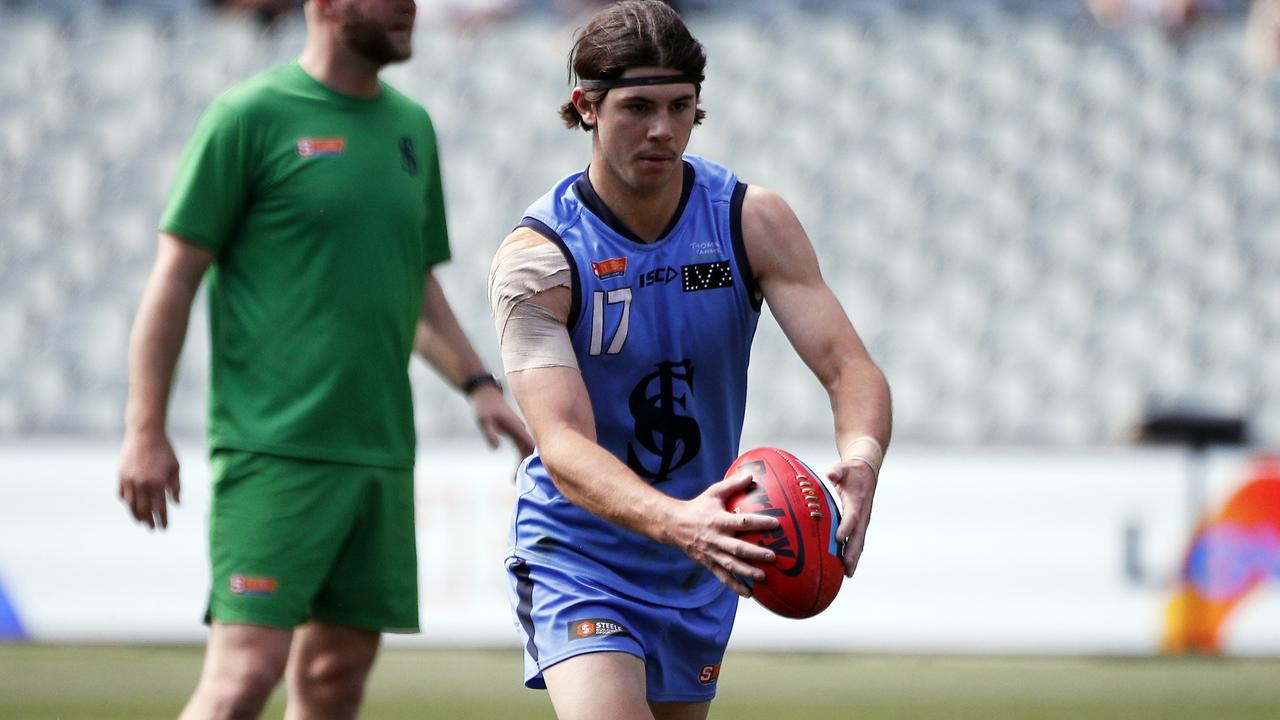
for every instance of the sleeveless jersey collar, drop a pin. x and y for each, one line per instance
(587, 194)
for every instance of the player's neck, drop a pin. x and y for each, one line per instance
(646, 214)
(340, 69)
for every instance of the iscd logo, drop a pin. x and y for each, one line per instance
(657, 276)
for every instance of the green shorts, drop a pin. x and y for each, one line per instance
(293, 540)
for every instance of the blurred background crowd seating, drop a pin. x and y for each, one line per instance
(1044, 229)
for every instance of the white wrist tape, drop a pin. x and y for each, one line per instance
(865, 449)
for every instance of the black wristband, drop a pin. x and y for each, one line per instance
(479, 380)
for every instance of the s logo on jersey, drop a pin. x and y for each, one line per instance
(660, 429)
(408, 160)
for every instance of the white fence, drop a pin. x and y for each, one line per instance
(983, 550)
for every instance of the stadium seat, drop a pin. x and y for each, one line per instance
(119, 60)
(1038, 227)
(14, 328)
(31, 53)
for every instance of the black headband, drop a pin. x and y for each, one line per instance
(611, 83)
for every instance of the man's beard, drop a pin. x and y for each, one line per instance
(369, 40)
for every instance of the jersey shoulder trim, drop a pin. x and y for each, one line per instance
(740, 246)
(575, 284)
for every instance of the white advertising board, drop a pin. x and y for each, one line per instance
(983, 550)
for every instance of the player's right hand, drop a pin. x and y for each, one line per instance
(706, 532)
(148, 470)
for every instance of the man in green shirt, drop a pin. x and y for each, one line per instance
(311, 194)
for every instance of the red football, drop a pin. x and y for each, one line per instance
(808, 571)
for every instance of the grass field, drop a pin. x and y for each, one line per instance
(42, 682)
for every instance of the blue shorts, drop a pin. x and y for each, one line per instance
(560, 615)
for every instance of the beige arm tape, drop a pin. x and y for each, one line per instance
(529, 334)
(865, 449)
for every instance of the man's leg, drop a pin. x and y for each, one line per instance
(242, 664)
(612, 685)
(598, 685)
(327, 670)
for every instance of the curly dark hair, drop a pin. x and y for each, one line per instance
(630, 34)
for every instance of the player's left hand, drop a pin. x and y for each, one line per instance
(496, 418)
(856, 483)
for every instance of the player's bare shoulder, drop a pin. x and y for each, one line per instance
(765, 205)
(775, 240)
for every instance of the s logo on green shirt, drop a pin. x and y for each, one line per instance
(407, 159)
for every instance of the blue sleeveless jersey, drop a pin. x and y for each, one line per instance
(662, 332)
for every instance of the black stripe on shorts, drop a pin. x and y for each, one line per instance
(524, 608)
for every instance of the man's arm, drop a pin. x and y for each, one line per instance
(148, 465)
(440, 341)
(787, 271)
(555, 402)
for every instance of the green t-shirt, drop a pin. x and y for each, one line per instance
(325, 211)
